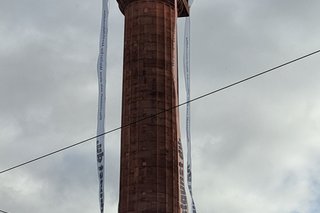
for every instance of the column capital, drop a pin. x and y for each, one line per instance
(183, 6)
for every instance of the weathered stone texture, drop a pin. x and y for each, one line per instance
(149, 155)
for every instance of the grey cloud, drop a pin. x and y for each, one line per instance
(255, 146)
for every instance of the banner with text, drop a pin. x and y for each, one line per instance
(101, 71)
(183, 202)
(186, 66)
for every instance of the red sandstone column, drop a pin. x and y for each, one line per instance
(149, 179)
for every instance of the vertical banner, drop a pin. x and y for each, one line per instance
(183, 202)
(101, 71)
(186, 66)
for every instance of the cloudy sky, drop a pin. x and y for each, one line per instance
(256, 146)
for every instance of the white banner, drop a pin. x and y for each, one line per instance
(101, 71)
(183, 202)
(186, 66)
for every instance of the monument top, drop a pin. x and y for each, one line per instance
(183, 6)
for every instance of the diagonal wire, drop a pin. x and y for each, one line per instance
(3, 211)
(161, 112)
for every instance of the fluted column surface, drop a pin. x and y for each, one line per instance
(149, 155)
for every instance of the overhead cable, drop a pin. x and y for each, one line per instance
(166, 110)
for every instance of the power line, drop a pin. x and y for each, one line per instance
(3, 211)
(166, 110)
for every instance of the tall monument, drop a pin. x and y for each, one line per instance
(151, 170)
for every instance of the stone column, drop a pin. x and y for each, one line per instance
(149, 179)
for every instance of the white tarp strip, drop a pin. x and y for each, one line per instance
(186, 65)
(183, 202)
(101, 71)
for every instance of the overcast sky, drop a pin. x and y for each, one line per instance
(256, 146)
